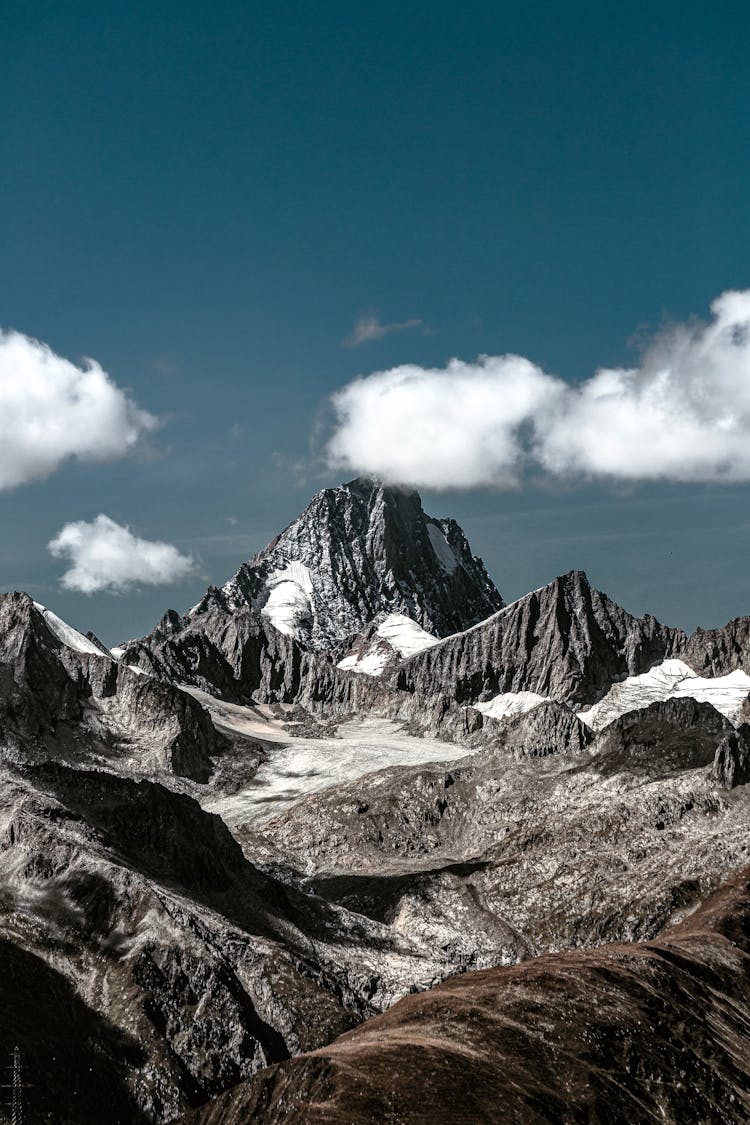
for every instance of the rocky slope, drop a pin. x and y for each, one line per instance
(191, 955)
(358, 550)
(77, 703)
(627, 1034)
(364, 586)
(141, 909)
(550, 839)
(566, 641)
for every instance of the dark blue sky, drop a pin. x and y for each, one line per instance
(204, 197)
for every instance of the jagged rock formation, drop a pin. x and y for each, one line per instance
(628, 1034)
(357, 551)
(360, 549)
(59, 701)
(362, 562)
(731, 765)
(142, 910)
(714, 652)
(566, 641)
(195, 955)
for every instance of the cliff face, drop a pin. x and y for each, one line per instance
(356, 552)
(566, 640)
(65, 702)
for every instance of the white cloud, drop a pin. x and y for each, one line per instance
(51, 410)
(683, 414)
(368, 328)
(107, 556)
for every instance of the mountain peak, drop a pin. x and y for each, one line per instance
(359, 549)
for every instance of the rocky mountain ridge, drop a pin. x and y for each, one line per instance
(590, 785)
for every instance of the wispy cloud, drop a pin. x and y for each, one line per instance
(369, 328)
(683, 414)
(107, 556)
(51, 410)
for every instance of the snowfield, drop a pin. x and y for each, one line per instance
(670, 679)
(300, 766)
(510, 703)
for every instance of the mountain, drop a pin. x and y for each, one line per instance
(62, 696)
(627, 1034)
(346, 776)
(565, 641)
(359, 552)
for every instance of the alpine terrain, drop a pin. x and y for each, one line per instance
(352, 840)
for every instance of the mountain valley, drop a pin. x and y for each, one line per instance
(354, 840)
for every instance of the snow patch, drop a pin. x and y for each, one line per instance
(69, 636)
(118, 652)
(395, 633)
(289, 605)
(405, 635)
(672, 679)
(510, 703)
(371, 664)
(442, 548)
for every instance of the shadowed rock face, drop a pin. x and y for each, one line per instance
(662, 739)
(193, 967)
(626, 1034)
(61, 703)
(731, 765)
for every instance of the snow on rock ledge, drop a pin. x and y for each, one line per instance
(69, 636)
(510, 703)
(289, 605)
(668, 680)
(396, 633)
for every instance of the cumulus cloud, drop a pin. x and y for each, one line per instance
(107, 556)
(683, 414)
(51, 410)
(368, 328)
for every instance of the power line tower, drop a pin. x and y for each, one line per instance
(16, 1087)
(16, 1115)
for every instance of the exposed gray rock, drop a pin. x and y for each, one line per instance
(566, 640)
(201, 966)
(678, 734)
(731, 765)
(624, 1034)
(715, 652)
(503, 854)
(356, 551)
(58, 702)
